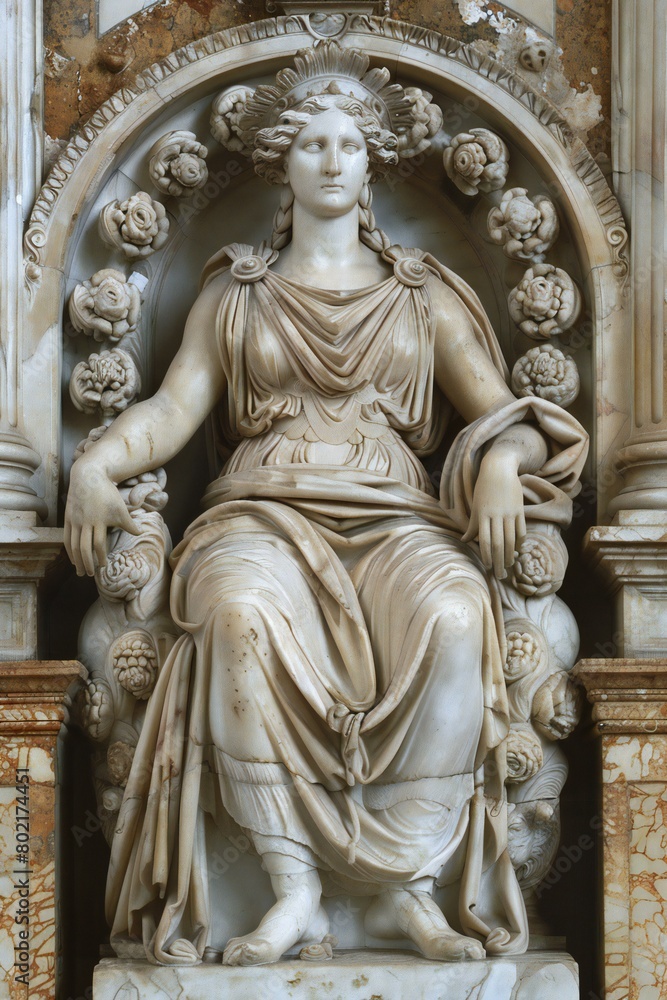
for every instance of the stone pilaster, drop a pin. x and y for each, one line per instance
(640, 169)
(21, 172)
(629, 700)
(33, 702)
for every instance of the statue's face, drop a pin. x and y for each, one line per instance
(327, 164)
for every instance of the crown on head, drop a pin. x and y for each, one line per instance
(239, 113)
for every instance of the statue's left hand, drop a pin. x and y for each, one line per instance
(496, 517)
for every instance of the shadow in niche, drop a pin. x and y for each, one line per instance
(570, 896)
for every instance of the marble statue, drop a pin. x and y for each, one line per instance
(338, 682)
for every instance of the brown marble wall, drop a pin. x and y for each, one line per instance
(84, 70)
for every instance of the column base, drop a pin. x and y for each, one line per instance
(392, 975)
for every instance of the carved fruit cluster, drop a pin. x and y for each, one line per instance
(134, 660)
(106, 306)
(546, 372)
(526, 652)
(546, 302)
(477, 160)
(524, 227)
(125, 573)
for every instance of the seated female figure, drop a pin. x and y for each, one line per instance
(339, 673)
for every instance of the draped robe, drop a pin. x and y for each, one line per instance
(358, 751)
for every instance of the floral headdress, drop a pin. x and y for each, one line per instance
(240, 112)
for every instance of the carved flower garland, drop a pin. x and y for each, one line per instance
(138, 226)
(524, 754)
(556, 707)
(477, 160)
(427, 122)
(119, 761)
(540, 565)
(125, 573)
(526, 652)
(106, 306)
(546, 372)
(226, 111)
(524, 227)
(109, 380)
(97, 709)
(177, 164)
(134, 660)
(546, 302)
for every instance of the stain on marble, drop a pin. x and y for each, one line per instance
(84, 70)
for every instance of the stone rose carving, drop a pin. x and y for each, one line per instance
(477, 160)
(97, 714)
(546, 372)
(524, 227)
(125, 573)
(524, 754)
(546, 302)
(226, 111)
(177, 163)
(526, 650)
(556, 706)
(138, 226)
(109, 380)
(106, 306)
(541, 563)
(426, 121)
(134, 660)
(119, 761)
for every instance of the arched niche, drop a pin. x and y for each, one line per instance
(108, 160)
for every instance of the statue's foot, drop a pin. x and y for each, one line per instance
(297, 918)
(409, 913)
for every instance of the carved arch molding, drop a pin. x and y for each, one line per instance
(545, 154)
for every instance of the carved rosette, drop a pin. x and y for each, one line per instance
(526, 228)
(477, 160)
(106, 306)
(138, 226)
(546, 302)
(524, 754)
(546, 372)
(108, 381)
(177, 163)
(541, 561)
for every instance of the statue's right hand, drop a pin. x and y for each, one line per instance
(93, 506)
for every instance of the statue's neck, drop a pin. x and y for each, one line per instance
(327, 253)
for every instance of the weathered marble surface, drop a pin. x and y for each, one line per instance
(32, 699)
(630, 712)
(368, 975)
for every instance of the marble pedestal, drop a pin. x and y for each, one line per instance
(351, 975)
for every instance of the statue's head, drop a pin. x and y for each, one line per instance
(395, 121)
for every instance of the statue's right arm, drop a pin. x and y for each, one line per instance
(145, 436)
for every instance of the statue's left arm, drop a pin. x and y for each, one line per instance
(467, 376)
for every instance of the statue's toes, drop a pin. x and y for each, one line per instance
(233, 953)
(451, 947)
